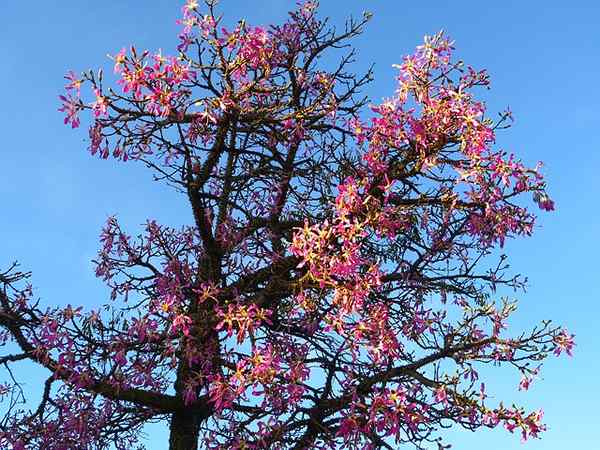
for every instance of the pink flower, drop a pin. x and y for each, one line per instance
(189, 8)
(524, 383)
(71, 107)
(441, 395)
(564, 342)
(189, 392)
(491, 418)
(181, 323)
(119, 358)
(99, 106)
(74, 82)
(120, 60)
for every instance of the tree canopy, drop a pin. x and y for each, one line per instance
(339, 284)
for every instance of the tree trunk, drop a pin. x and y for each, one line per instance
(185, 424)
(184, 431)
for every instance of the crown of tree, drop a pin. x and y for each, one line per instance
(337, 284)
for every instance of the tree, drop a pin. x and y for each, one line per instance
(337, 287)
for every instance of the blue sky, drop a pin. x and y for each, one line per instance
(544, 60)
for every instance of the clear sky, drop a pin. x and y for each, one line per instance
(544, 60)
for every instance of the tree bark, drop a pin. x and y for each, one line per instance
(184, 429)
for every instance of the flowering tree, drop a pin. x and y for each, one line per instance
(336, 287)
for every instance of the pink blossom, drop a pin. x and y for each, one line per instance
(99, 106)
(441, 395)
(564, 342)
(71, 107)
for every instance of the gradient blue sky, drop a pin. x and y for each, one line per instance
(544, 59)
